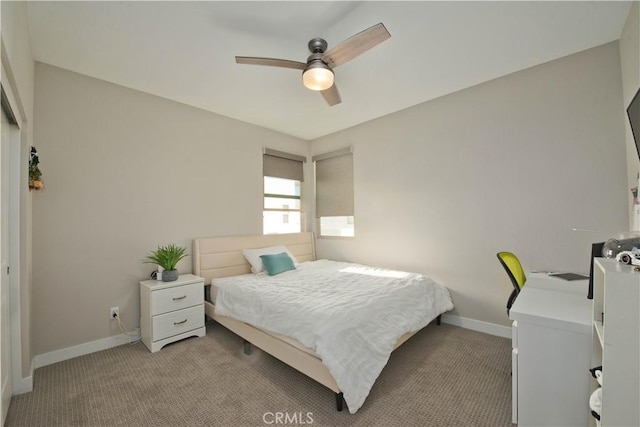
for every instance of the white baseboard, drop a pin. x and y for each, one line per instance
(80, 350)
(117, 340)
(478, 325)
(6, 399)
(24, 385)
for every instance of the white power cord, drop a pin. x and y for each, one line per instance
(134, 336)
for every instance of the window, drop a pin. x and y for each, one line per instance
(334, 194)
(283, 177)
(282, 213)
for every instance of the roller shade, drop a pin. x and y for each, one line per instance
(279, 164)
(334, 183)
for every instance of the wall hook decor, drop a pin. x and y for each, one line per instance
(35, 176)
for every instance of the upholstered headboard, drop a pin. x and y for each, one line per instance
(222, 256)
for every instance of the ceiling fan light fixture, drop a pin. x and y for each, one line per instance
(317, 76)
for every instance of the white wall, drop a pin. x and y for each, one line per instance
(512, 164)
(125, 171)
(17, 61)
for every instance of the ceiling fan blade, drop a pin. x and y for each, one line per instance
(331, 95)
(356, 45)
(271, 62)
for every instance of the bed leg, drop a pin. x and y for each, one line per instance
(438, 319)
(339, 401)
(247, 347)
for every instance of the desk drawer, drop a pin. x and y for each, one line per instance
(514, 334)
(176, 298)
(177, 322)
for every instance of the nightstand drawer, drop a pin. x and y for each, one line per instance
(176, 298)
(177, 322)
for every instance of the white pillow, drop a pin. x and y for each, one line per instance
(253, 256)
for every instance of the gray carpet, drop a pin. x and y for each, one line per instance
(443, 376)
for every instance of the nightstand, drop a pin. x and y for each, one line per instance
(171, 311)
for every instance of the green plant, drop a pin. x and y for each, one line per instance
(166, 257)
(34, 173)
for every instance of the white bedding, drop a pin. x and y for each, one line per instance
(350, 315)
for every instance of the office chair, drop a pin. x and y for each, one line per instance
(512, 265)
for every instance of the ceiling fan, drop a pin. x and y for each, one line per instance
(317, 72)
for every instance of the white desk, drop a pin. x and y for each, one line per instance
(544, 281)
(551, 352)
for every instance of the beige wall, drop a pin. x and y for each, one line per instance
(512, 164)
(17, 61)
(630, 64)
(125, 171)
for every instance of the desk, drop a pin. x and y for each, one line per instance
(551, 283)
(551, 352)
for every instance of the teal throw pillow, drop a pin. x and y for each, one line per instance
(277, 263)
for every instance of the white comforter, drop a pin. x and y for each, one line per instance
(350, 315)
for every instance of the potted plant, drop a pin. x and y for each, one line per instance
(167, 257)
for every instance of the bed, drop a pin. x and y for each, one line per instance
(222, 257)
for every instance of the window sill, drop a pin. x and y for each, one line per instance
(337, 237)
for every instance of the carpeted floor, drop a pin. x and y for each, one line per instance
(443, 376)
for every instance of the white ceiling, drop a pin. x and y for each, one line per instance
(185, 51)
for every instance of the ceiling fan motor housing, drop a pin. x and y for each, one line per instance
(317, 45)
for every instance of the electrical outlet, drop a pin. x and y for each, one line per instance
(114, 312)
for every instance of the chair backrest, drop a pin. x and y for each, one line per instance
(514, 269)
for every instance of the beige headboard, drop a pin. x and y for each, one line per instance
(222, 256)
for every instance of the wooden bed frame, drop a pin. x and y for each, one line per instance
(217, 257)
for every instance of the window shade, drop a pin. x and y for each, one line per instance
(334, 184)
(282, 165)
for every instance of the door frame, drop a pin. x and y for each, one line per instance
(20, 383)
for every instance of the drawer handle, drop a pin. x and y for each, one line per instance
(179, 298)
(180, 323)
